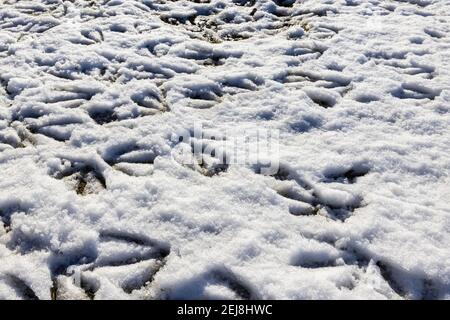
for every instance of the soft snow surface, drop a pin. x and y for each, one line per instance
(97, 200)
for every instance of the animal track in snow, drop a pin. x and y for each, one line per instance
(103, 116)
(205, 154)
(125, 262)
(200, 94)
(307, 198)
(131, 158)
(241, 82)
(82, 178)
(324, 88)
(328, 79)
(346, 175)
(220, 279)
(205, 158)
(412, 68)
(150, 100)
(21, 288)
(417, 91)
(21, 22)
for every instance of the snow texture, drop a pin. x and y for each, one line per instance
(97, 203)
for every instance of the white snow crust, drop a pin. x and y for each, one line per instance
(96, 201)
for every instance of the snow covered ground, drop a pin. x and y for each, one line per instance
(97, 200)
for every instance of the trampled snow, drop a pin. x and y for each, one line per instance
(109, 189)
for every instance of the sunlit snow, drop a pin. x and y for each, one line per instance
(129, 158)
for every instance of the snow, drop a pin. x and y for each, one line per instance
(109, 189)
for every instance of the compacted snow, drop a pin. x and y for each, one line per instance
(109, 189)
